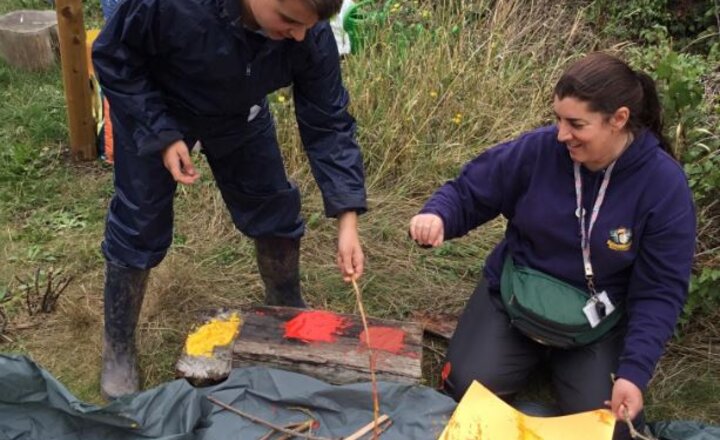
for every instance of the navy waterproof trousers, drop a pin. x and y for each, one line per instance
(248, 169)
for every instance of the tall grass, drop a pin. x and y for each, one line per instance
(427, 100)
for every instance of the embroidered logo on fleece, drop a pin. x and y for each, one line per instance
(620, 239)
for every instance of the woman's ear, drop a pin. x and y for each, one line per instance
(620, 118)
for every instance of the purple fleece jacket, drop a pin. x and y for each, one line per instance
(642, 243)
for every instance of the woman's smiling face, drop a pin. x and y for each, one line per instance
(592, 138)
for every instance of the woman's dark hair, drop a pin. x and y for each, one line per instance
(607, 83)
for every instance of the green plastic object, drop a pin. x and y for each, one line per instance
(360, 19)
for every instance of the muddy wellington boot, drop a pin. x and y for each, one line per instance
(278, 260)
(124, 292)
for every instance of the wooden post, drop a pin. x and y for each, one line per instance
(73, 58)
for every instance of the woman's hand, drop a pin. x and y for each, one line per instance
(350, 258)
(626, 396)
(176, 159)
(427, 230)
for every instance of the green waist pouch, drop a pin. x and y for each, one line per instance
(548, 310)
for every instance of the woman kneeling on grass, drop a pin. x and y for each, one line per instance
(594, 267)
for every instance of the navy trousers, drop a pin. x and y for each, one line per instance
(248, 169)
(487, 348)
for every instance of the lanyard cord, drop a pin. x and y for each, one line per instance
(580, 213)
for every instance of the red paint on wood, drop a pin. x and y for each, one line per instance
(385, 338)
(315, 326)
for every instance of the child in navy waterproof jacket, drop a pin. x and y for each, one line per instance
(181, 71)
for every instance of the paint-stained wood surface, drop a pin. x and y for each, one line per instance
(264, 341)
(208, 370)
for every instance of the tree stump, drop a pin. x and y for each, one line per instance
(29, 39)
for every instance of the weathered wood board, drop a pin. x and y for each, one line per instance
(438, 324)
(265, 340)
(29, 39)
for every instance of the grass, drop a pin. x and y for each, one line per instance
(476, 73)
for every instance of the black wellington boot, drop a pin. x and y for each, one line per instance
(278, 260)
(124, 292)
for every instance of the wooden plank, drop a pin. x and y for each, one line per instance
(71, 33)
(438, 324)
(28, 39)
(264, 341)
(203, 370)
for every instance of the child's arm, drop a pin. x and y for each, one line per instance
(121, 56)
(328, 134)
(326, 128)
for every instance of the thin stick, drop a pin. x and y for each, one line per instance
(367, 428)
(373, 380)
(305, 426)
(385, 426)
(263, 422)
(297, 427)
(633, 432)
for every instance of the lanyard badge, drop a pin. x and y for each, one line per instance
(599, 305)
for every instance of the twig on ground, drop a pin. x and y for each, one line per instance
(261, 421)
(304, 426)
(295, 427)
(43, 302)
(369, 427)
(385, 426)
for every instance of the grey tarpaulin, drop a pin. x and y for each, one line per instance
(685, 431)
(35, 406)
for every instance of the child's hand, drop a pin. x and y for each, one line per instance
(427, 229)
(176, 159)
(350, 258)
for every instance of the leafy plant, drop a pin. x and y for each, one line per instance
(688, 89)
(693, 25)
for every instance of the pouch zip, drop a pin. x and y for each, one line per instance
(547, 322)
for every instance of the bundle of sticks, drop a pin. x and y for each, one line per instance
(304, 429)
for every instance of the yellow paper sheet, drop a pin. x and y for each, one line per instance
(481, 415)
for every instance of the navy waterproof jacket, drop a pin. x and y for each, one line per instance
(642, 243)
(188, 69)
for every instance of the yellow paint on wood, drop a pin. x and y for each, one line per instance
(215, 333)
(481, 415)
